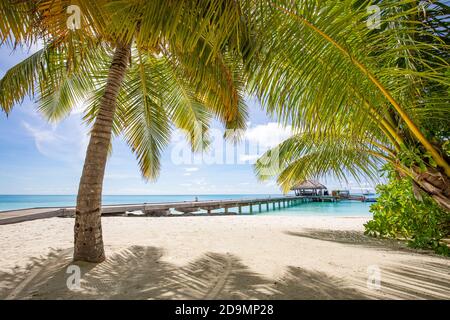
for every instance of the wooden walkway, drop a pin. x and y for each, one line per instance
(166, 208)
(15, 216)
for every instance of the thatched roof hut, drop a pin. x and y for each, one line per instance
(310, 188)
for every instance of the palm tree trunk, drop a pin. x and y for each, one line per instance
(436, 184)
(88, 229)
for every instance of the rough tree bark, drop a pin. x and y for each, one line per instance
(88, 244)
(436, 184)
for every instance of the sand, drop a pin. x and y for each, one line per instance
(230, 257)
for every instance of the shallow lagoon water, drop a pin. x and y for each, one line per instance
(341, 208)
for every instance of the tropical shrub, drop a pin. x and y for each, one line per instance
(399, 214)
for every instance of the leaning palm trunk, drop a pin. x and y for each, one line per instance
(88, 228)
(435, 184)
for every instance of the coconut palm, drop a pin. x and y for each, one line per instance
(358, 95)
(143, 68)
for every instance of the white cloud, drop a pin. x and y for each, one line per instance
(192, 169)
(43, 137)
(268, 135)
(66, 141)
(79, 107)
(261, 138)
(40, 135)
(249, 157)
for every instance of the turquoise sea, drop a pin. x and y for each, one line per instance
(341, 208)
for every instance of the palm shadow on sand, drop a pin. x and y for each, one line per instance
(410, 279)
(351, 237)
(139, 273)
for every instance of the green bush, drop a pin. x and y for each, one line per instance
(398, 214)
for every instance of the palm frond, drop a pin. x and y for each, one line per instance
(304, 156)
(146, 124)
(20, 80)
(318, 53)
(16, 22)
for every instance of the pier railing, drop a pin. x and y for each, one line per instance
(206, 205)
(167, 208)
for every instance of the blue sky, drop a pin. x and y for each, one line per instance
(41, 158)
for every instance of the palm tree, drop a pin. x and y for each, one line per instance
(143, 66)
(358, 96)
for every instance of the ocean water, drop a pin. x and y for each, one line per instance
(341, 208)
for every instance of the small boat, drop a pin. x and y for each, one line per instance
(367, 192)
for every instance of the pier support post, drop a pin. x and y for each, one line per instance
(226, 209)
(240, 209)
(251, 209)
(267, 206)
(259, 207)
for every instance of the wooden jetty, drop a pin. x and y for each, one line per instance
(167, 208)
(157, 209)
(15, 216)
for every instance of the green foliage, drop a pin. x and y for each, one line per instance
(398, 214)
(186, 67)
(355, 96)
(413, 156)
(446, 148)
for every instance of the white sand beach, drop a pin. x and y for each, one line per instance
(228, 257)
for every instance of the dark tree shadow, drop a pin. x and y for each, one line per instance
(301, 284)
(411, 279)
(417, 280)
(354, 238)
(139, 273)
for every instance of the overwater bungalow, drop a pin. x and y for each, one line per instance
(310, 188)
